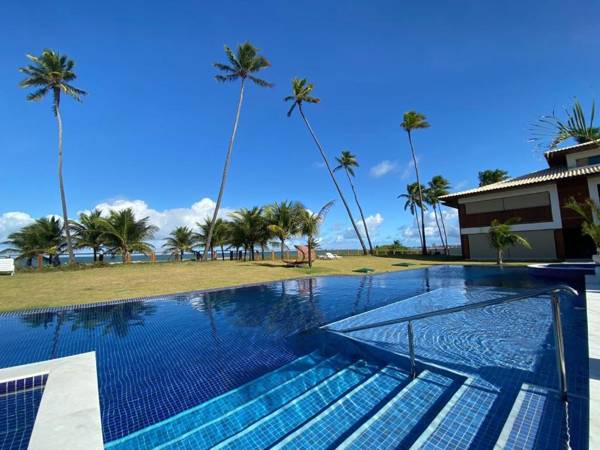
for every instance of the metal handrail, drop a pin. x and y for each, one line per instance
(557, 325)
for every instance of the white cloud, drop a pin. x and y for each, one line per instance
(383, 168)
(167, 219)
(11, 222)
(338, 236)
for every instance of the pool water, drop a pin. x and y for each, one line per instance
(159, 357)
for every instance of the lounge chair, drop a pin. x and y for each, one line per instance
(332, 256)
(7, 265)
(302, 256)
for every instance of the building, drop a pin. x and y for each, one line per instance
(538, 199)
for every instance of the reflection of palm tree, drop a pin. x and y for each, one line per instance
(114, 319)
(359, 293)
(56, 334)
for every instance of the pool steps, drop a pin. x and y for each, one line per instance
(319, 402)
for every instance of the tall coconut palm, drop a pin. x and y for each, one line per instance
(491, 176)
(242, 65)
(576, 127)
(431, 200)
(416, 121)
(301, 93)
(309, 226)
(284, 220)
(348, 162)
(88, 231)
(52, 73)
(179, 241)
(249, 225)
(413, 203)
(501, 237)
(124, 234)
(220, 235)
(437, 187)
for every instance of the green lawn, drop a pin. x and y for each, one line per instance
(28, 290)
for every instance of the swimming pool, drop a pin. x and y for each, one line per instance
(159, 357)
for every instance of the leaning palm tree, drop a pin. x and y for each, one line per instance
(283, 221)
(576, 127)
(179, 241)
(220, 235)
(413, 202)
(124, 234)
(242, 65)
(52, 73)
(309, 227)
(88, 232)
(42, 237)
(415, 121)
(501, 237)
(301, 93)
(437, 187)
(348, 162)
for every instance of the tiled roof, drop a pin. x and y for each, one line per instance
(541, 176)
(571, 148)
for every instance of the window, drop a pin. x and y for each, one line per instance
(509, 203)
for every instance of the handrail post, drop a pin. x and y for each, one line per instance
(411, 350)
(560, 345)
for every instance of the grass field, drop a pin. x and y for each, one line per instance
(28, 290)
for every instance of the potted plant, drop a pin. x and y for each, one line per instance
(590, 212)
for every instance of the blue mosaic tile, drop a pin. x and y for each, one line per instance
(19, 403)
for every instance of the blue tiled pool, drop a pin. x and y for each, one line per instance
(157, 358)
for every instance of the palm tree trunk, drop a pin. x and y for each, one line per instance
(444, 228)
(180, 255)
(95, 254)
(362, 216)
(63, 199)
(222, 253)
(309, 253)
(225, 171)
(419, 228)
(414, 157)
(312, 133)
(438, 227)
(499, 260)
(282, 249)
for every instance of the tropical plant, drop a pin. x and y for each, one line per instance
(490, 176)
(588, 210)
(220, 235)
(124, 234)
(501, 237)
(575, 127)
(301, 93)
(309, 227)
(413, 202)
(88, 232)
(179, 241)
(242, 65)
(247, 227)
(347, 161)
(42, 237)
(415, 121)
(283, 221)
(52, 72)
(437, 187)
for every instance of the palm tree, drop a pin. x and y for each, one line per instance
(576, 127)
(52, 72)
(179, 241)
(88, 232)
(220, 235)
(501, 237)
(248, 225)
(490, 176)
(415, 121)
(124, 234)
(309, 227)
(348, 162)
(242, 64)
(438, 186)
(301, 93)
(588, 210)
(430, 199)
(283, 220)
(413, 201)
(42, 237)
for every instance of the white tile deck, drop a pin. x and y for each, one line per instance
(592, 283)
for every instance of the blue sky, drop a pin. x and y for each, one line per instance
(154, 128)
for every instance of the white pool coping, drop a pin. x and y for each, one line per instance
(592, 293)
(69, 413)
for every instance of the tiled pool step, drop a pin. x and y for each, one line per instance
(321, 402)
